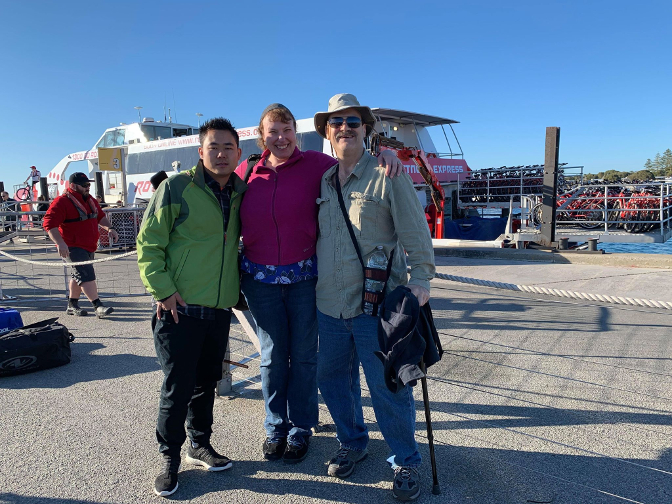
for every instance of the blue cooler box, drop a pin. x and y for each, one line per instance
(9, 319)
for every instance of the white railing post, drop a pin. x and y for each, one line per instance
(660, 215)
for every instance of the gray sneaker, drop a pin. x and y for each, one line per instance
(406, 485)
(103, 311)
(76, 311)
(342, 465)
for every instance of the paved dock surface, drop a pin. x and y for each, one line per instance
(537, 399)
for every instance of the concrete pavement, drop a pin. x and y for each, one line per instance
(537, 399)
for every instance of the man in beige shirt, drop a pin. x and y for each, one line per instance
(383, 212)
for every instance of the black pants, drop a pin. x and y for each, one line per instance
(190, 354)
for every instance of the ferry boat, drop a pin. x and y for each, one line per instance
(150, 146)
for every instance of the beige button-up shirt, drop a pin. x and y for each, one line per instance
(383, 211)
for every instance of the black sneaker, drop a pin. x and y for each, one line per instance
(206, 456)
(297, 449)
(406, 485)
(76, 311)
(274, 448)
(166, 482)
(103, 311)
(342, 465)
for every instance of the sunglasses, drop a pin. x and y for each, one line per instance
(352, 122)
(87, 184)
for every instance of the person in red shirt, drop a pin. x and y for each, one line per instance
(72, 222)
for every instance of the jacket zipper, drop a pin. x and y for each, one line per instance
(277, 231)
(234, 196)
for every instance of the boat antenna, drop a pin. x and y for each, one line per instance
(164, 108)
(138, 109)
(170, 119)
(174, 107)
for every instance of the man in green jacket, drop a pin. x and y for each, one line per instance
(188, 259)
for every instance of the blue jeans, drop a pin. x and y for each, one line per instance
(287, 330)
(344, 343)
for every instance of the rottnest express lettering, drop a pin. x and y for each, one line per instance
(144, 187)
(412, 168)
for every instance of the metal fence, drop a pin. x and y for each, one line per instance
(35, 270)
(636, 208)
(27, 225)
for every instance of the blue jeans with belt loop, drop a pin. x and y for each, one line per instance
(344, 343)
(286, 321)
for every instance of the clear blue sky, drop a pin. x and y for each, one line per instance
(600, 70)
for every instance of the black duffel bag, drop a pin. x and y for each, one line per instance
(37, 346)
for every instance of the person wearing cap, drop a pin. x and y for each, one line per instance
(383, 212)
(34, 176)
(72, 222)
(279, 274)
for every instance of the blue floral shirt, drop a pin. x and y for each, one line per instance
(284, 274)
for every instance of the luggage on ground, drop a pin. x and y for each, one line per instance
(42, 345)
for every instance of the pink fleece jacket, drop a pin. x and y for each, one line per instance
(279, 212)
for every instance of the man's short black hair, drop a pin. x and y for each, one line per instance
(218, 124)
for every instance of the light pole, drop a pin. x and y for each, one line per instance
(199, 115)
(138, 109)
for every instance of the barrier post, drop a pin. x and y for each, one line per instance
(65, 279)
(224, 385)
(44, 188)
(550, 188)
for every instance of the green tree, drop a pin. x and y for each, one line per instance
(658, 162)
(641, 176)
(612, 176)
(649, 165)
(666, 159)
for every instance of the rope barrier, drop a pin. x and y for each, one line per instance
(558, 292)
(453, 278)
(61, 264)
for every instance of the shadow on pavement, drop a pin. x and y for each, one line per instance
(84, 367)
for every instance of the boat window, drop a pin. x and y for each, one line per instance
(155, 132)
(178, 132)
(112, 139)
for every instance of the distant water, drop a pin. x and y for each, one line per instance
(623, 248)
(638, 248)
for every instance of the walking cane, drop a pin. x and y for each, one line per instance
(436, 489)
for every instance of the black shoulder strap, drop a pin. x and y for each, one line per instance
(252, 160)
(347, 219)
(352, 233)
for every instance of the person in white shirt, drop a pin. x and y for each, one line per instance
(34, 176)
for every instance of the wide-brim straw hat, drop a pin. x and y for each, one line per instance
(341, 102)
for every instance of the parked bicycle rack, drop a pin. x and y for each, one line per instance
(554, 200)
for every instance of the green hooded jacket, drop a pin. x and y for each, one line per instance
(182, 246)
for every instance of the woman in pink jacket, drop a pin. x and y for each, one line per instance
(279, 228)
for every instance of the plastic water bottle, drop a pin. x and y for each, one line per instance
(377, 260)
